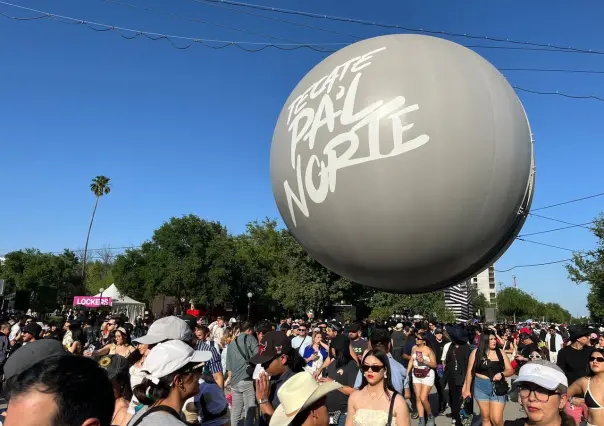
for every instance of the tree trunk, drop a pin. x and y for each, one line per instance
(86, 246)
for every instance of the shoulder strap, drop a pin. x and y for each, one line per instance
(155, 409)
(391, 409)
(245, 357)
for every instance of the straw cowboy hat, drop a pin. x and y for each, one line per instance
(297, 394)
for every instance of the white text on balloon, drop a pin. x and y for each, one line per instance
(304, 123)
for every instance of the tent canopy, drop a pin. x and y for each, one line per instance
(123, 304)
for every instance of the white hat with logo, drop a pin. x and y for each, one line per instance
(169, 357)
(167, 328)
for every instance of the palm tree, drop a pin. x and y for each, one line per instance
(100, 186)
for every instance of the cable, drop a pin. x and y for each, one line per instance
(570, 201)
(530, 265)
(547, 245)
(147, 9)
(558, 229)
(565, 95)
(299, 24)
(557, 220)
(568, 71)
(400, 27)
(170, 38)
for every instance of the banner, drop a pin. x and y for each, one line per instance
(92, 301)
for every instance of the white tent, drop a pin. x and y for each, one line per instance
(123, 304)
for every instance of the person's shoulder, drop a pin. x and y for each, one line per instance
(518, 422)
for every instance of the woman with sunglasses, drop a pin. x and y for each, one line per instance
(376, 401)
(542, 388)
(421, 366)
(590, 390)
(485, 380)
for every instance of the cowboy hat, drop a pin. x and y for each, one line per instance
(297, 394)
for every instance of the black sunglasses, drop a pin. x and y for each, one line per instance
(596, 358)
(374, 368)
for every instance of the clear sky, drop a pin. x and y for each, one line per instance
(189, 131)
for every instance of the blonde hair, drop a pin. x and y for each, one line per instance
(227, 337)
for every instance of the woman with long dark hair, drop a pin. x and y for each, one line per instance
(376, 403)
(421, 367)
(485, 379)
(591, 389)
(344, 370)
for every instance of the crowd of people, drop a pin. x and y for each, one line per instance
(93, 370)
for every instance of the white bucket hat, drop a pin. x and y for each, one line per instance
(543, 373)
(167, 328)
(169, 357)
(297, 394)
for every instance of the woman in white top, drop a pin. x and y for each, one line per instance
(422, 365)
(376, 401)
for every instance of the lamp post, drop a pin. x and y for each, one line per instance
(101, 298)
(249, 304)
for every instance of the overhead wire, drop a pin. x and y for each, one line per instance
(531, 265)
(547, 245)
(272, 18)
(568, 202)
(401, 27)
(582, 225)
(557, 220)
(200, 21)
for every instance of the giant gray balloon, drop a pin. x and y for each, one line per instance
(403, 162)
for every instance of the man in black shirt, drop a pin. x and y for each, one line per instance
(358, 345)
(528, 347)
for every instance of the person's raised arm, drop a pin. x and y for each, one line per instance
(101, 352)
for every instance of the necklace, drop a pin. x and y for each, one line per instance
(375, 398)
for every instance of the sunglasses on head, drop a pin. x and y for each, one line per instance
(534, 356)
(374, 368)
(596, 358)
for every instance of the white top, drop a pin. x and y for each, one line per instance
(366, 417)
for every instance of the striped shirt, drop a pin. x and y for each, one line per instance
(215, 364)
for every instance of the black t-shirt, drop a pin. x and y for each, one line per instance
(346, 376)
(359, 346)
(574, 363)
(398, 339)
(438, 349)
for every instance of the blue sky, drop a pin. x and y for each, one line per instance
(189, 131)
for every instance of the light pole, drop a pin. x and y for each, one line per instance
(101, 298)
(249, 304)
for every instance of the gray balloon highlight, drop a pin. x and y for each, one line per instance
(403, 162)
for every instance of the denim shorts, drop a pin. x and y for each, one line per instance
(483, 391)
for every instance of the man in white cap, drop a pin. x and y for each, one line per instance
(303, 402)
(167, 328)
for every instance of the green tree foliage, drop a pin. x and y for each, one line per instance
(589, 268)
(515, 302)
(30, 269)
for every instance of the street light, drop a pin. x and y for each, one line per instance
(101, 298)
(249, 304)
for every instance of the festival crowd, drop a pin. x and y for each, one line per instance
(91, 370)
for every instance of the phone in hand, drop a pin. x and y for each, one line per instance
(420, 356)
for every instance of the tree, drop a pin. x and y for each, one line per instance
(589, 268)
(100, 186)
(480, 303)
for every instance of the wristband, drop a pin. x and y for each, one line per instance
(262, 401)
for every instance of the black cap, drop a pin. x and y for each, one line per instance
(576, 332)
(335, 326)
(273, 344)
(32, 353)
(32, 328)
(355, 327)
(115, 365)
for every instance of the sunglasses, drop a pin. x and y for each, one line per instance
(374, 368)
(596, 358)
(419, 338)
(302, 330)
(534, 356)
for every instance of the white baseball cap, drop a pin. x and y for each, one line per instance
(169, 357)
(545, 374)
(167, 328)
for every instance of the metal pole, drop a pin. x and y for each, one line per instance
(249, 304)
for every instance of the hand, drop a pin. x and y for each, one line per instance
(318, 374)
(579, 402)
(466, 393)
(262, 387)
(407, 394)
(497, 377)
(325, 379)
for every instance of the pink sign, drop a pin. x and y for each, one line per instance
(91, 301)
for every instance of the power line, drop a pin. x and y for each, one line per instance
(400, 27)
(186, 18)
(547, 245)
(568, 71)
(531, 265)
(569, 201)
(213, 43)
(272, 18)
(582, 225)
(558, 220)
